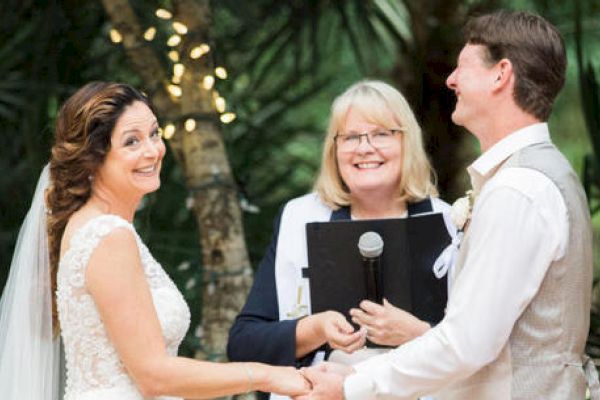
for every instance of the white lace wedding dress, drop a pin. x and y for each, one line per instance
(94, 370)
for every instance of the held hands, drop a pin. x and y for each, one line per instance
(327, 380)
(339, 333)
(288, 381)
(386, 324)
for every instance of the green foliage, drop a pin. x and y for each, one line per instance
(42, 49)
(590, 100)
(287, 60)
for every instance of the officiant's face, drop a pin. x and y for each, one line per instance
(368, 170)
(132, 165)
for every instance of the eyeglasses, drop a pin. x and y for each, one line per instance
(380, 139)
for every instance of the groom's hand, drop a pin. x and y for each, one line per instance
(335, 368)
(386, 324)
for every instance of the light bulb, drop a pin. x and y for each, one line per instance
(208, 82)
(163, 14)
(169, 131)
(180, 28)
(221, 73)
(220, 104)
(150, 33)
(174, 40)
(178, 70)
(175, 90)
(196, 53)
(190, 124)
(115, 36)
(227, 117)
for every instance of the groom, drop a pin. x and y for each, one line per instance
(518, 313)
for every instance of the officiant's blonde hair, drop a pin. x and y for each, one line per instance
(382, 105)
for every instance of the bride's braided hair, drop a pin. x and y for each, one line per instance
(82, 139)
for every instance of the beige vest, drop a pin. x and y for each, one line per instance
(543, 356)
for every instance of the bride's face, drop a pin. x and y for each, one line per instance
(132, 165)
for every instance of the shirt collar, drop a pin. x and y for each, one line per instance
(488, 162)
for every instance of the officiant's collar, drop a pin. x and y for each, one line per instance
(485, 166)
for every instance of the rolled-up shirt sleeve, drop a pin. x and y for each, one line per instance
(515, 234)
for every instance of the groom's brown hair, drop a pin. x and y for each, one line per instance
(534, 47)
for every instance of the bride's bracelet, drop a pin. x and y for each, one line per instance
(248, 371)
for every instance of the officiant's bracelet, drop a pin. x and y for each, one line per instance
(249, 376)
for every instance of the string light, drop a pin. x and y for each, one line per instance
(220, 104)
(199, 51)
(227, 117)
(180, 28)
(178, 70)
(175, 90)
(208, 82)
(169, 131)
(196, 53)
(150, 33)
(221, 73)
(190, 124)
(174, 40)
(204, 48)
(163, 14)
(174, 55)
(115, 36)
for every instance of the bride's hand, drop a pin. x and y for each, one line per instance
(288, 381)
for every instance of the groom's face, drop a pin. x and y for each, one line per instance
(471, 81)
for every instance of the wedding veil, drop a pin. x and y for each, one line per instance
(29, 353)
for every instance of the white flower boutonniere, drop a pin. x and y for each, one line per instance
(461, 210)
(460, 214)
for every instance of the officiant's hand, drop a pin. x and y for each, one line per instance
(386, 324)
(339, 333)
(329, 327)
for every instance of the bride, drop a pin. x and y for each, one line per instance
(120, 316)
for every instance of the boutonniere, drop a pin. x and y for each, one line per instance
(461, 210)
(460, 214)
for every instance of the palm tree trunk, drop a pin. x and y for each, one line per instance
(201, 155)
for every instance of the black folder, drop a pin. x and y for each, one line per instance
(411, 246)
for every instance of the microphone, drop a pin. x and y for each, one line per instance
(370, 246)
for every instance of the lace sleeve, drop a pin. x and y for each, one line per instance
(83, 243)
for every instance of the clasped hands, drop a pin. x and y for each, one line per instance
(326, 381)
(382, 324)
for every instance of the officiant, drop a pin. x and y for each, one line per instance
(373, 166)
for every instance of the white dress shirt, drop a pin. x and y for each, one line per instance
(519, 227)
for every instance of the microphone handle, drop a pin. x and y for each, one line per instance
(372, 279)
